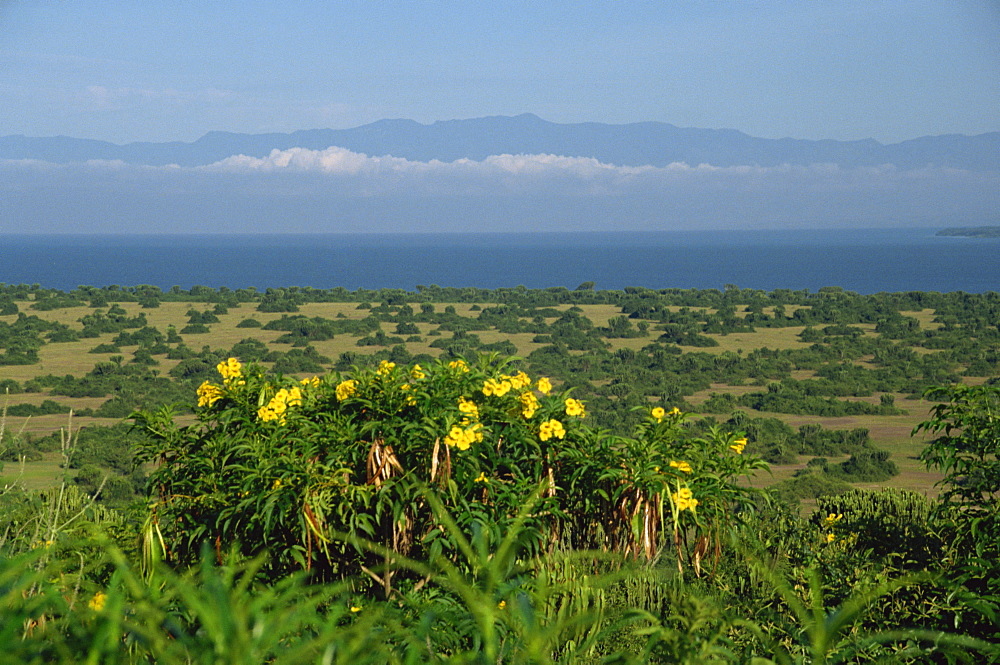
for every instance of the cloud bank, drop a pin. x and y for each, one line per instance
(331, 190)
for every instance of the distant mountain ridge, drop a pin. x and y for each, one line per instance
(635, 144)
(971, 232)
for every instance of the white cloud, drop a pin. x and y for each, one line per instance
(335, 188)
(506, 171)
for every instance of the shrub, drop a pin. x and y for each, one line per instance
(809, 485)
(303, 468)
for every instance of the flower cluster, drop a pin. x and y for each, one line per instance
(683, 467)
(462, 438)
(517, 381)
(738, 445)
(507, 382)
(345, 389)
(276, 408)
(574, 407)
(459, 365)
(469, 429)
(544, 386)
(385, 368)
(98, 601)
(209, 394)
(231, 371)
(659, 413)
(529, 404)
(468, 408)
(831, 520)
(551, 429)
(496, 387)
(684, 499)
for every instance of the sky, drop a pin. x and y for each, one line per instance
(128, 71)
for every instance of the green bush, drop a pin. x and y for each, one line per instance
(288, 466)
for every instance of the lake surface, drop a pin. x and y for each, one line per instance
(862, 260)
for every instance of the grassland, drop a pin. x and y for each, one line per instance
(889, 432)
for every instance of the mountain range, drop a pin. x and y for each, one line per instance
(635, 144)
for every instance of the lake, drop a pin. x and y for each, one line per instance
(861, 260)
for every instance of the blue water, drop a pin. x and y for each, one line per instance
(866, 261)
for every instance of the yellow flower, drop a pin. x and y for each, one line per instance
(313, 382)
(683, 467)
(385, 368)
(551, 429)
(481, 478)
(830, 537)
(276, 484)
(502, 605)
(468, 407)
(574, 407)
(460, 365)
(517, 381)
(463, 438)
(275, 409)
(410, 399)
(544, 385)
(267, 413)
(230, 369)
(684, 499)
(209, 394)
(529, 404)
(832, 519)
(496, 387)
(346, 388)
(658, 413)
(674, 412)
(417, 373)
(97, 602)
(738, 445)
(355, 608)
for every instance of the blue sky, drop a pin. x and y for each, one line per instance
(156, 71)
(125, 71)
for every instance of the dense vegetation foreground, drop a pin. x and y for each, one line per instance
(467, 512)
(431, 498)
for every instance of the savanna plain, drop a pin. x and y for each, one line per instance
(508, 475)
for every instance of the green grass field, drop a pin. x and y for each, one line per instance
(891, 433)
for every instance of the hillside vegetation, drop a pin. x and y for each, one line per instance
(465, 475)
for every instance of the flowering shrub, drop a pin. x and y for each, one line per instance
(306, 469)
(674, 488)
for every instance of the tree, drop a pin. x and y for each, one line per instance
(967, 451)
(967, 446)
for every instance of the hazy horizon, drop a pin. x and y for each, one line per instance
(848, 71)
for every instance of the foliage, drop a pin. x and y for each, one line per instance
(283, 464)
(809, 485)
(966, 449)
(885, 522)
